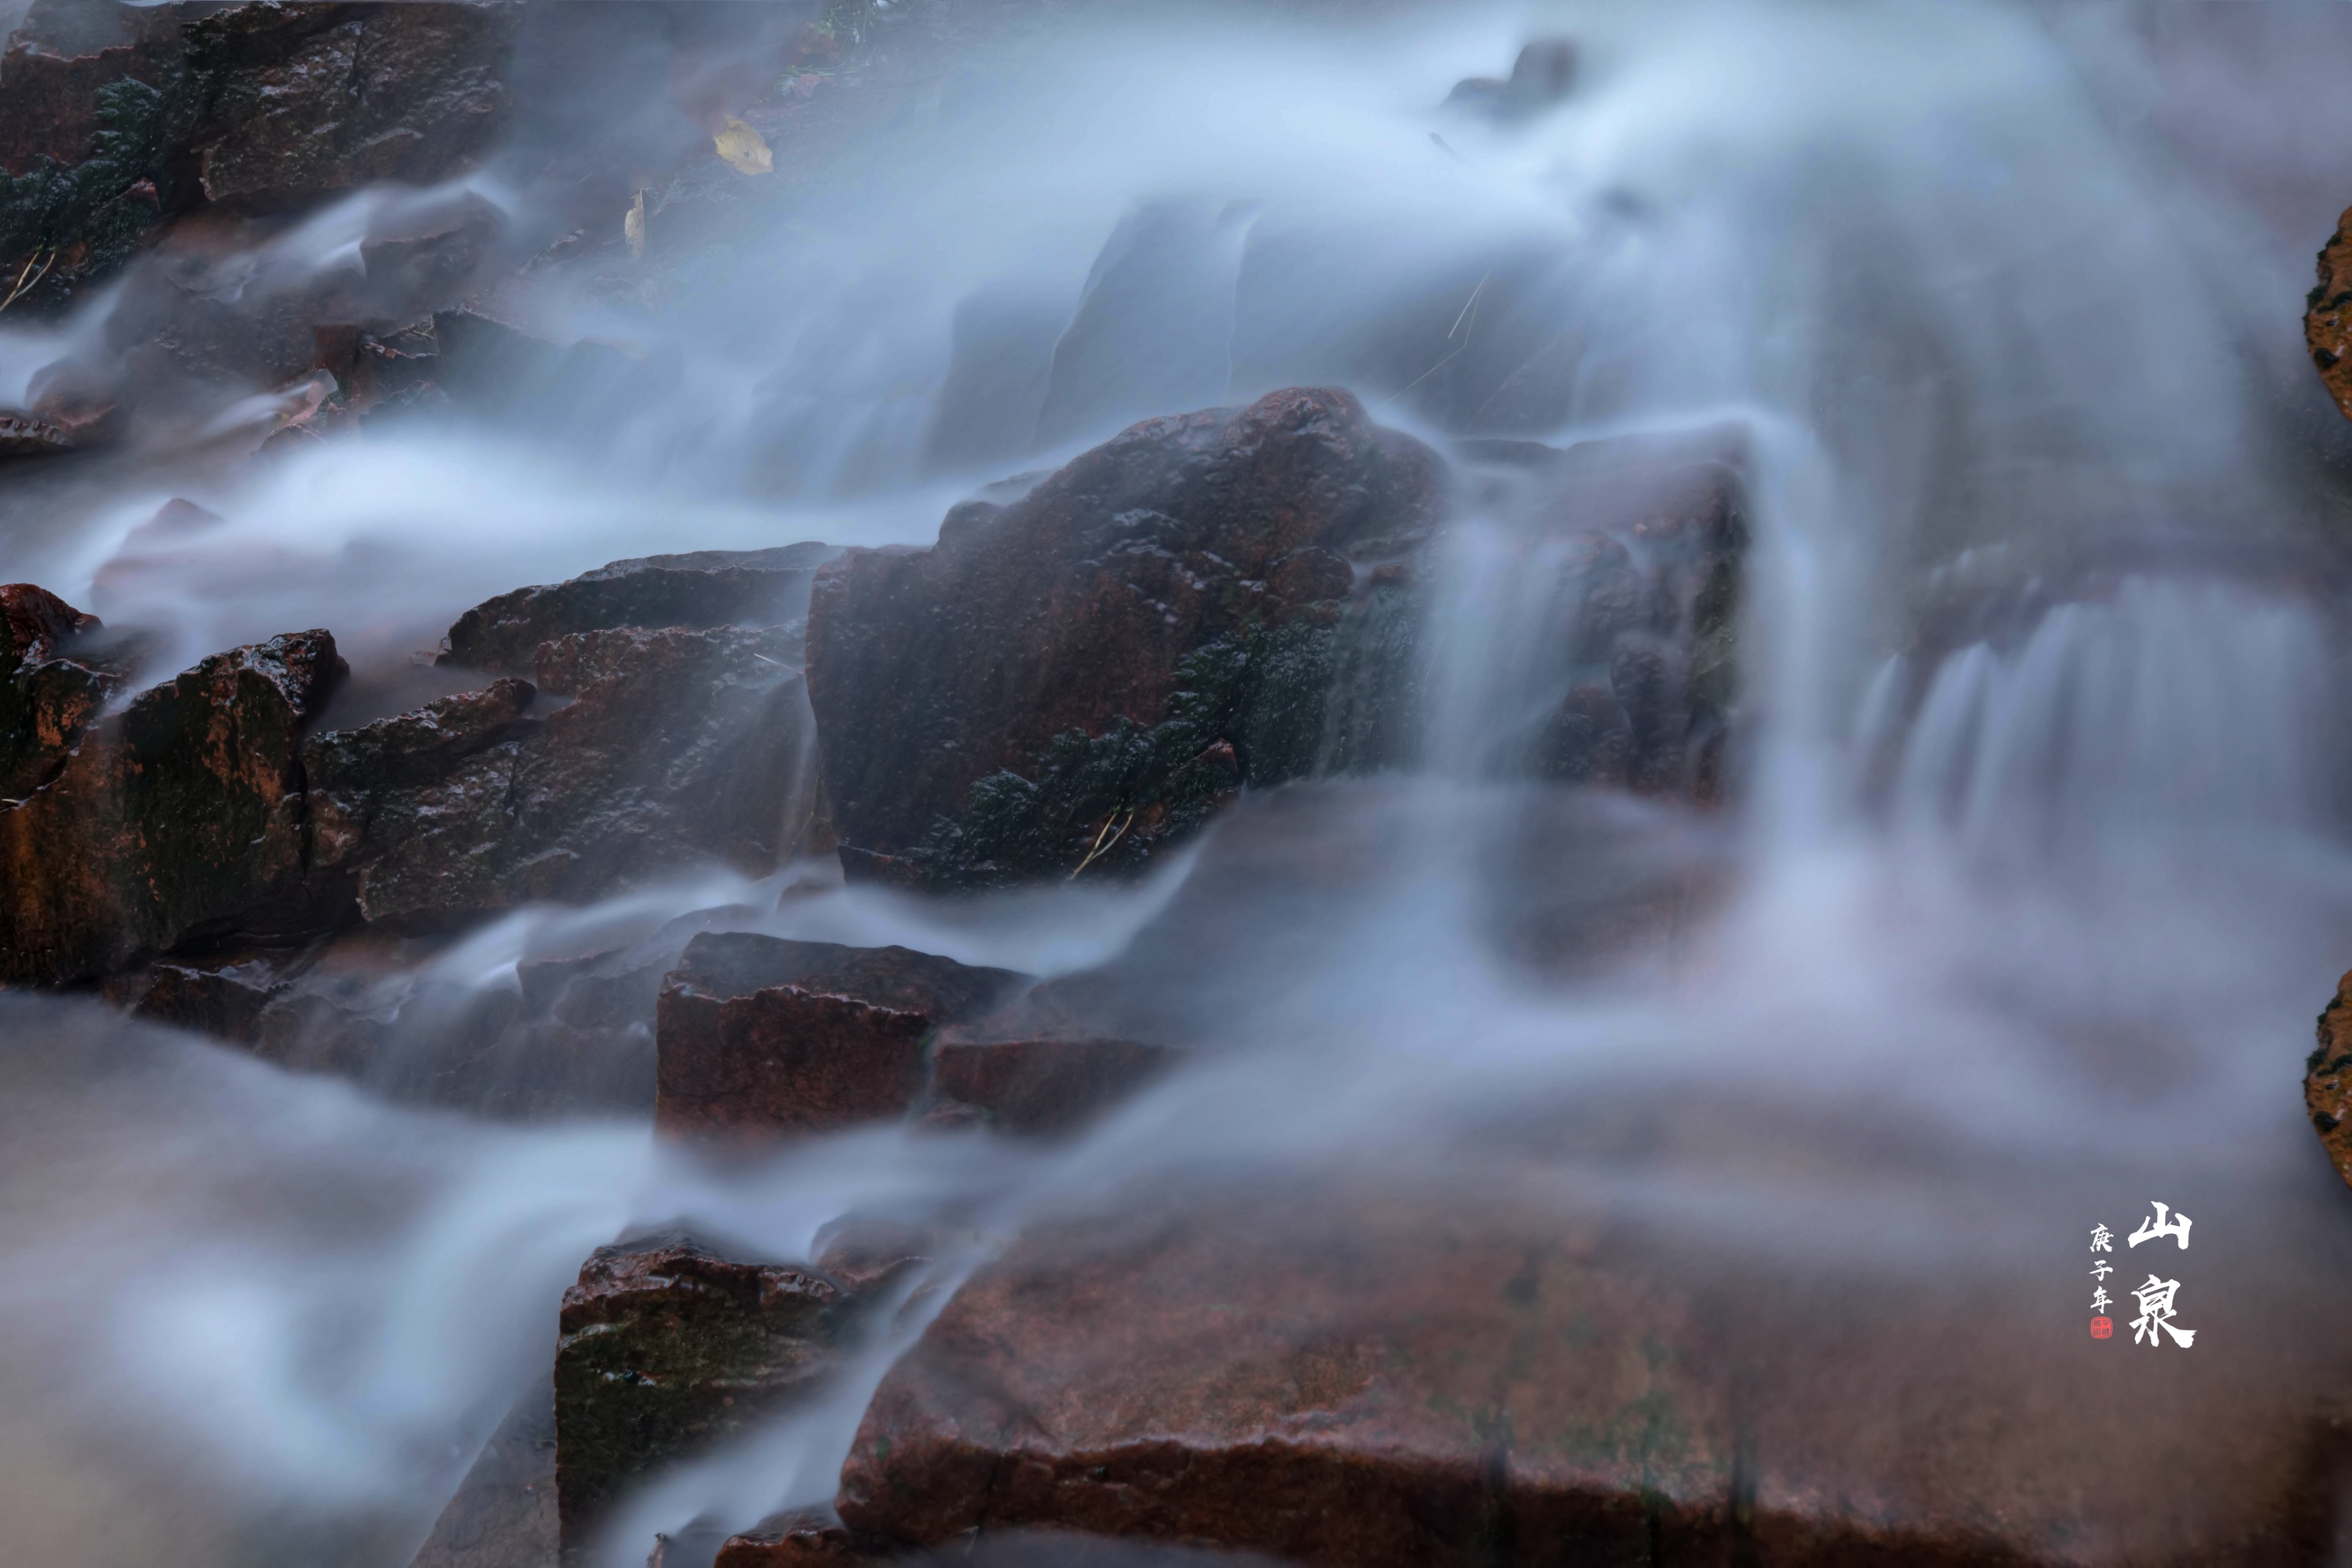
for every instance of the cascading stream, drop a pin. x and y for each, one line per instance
(1997, 937)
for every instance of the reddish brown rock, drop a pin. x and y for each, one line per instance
(793, 1542)
(307, 100)
(1177, 1383)
(2328, 1081)
(757, 1035)
(1071, 609)
(702, 587)
(1042, 1086)
(56, 672)
(2327, 315)
(179, 818)
(1366, 1372)
(669, 1347)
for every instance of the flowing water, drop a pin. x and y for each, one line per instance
(2038, 869)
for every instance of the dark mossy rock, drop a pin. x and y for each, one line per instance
(677, 745)
(179, 818)
(700, 589)
(759, 1036)
(1194, 570)
(669, 1347)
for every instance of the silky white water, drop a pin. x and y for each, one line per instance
(2036, 875)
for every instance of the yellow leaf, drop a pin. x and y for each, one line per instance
(632, 228)
(741, 147)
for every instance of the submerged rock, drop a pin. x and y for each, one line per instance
(668, 1348)
(1051, 637)
(2328, 1081)
(180, 817)
(759, 1035)
(700, 589)
(1543, 75)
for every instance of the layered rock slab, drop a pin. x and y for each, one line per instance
(181, 817)
(761, 1036)
(1495, 1402)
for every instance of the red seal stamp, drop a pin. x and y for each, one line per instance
(2101, 1328)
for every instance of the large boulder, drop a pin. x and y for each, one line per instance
(757, 1035)
(1053, 634)
(669, 1347)
(179, 818)
(677, 745)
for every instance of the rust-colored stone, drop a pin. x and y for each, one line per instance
(2328, 1081)
(180, 817)
(757, 1035)
(55, 674)
(1042, 1086)
(1072, 607)
(2327, 315)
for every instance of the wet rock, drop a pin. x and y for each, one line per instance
(2327, 315)
(58, 61)
(796, 1541)
(178, 818)
(678, 745)
(1645, 540)
(584, 390)
(1154, 326)
(669, 1347)
(504, 1513)
(306, 100)
(226, 1001)
(1031, 1069)
(757, 1035)
(2328, 1081)
(25, 435)
(699, 589)
(56, 672)
(1543, 75)
(1206, 1379)
(1050, 636)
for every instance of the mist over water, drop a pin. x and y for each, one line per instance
(2037, 874)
